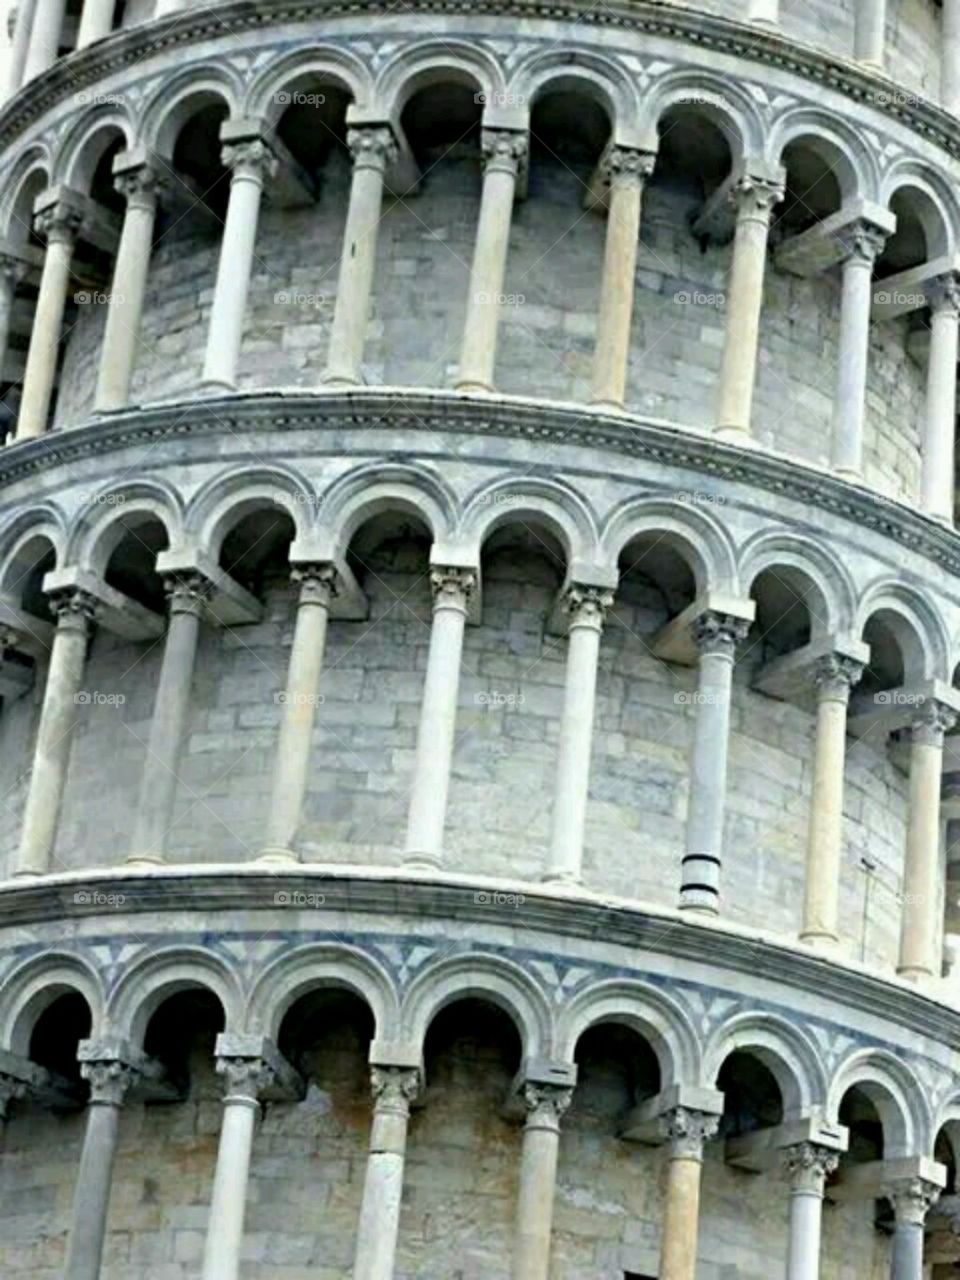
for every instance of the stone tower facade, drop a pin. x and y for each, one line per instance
(480, 618)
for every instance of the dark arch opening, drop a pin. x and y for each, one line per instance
(326, 1034)
(617, 1069)
(57, 1032)
(132, 566)
(694, 157)
(182, 1034)
(752, 1097)
(256, 550)
(812, 190)
(313, 127)
(784, 616)
(197, 158)
(656, 579)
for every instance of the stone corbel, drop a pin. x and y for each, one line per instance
(146, 1076)
(644, 1123)
(763, 1149)
(792, 677)
(547, 1078)
(717, 220)
(21, 1078)
(825, 245)
(116, 612)
(228, 604)
(282, 1082)
(891, 709)
(875, 1178)
(676, 641)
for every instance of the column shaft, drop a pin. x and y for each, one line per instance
(45, 32)
(764, 11)
(937, 482)
(586, 607)
(251, 161)
(755, 201)
(863, 244)
(20, 46)
(538, 1177)
(43, 352)
(503, 154)
(96, 21)
(438, 715)
(228, 1204)
(950, 57)
(394, 1089)
(373, 150)
(122, 331)
(626, 172)
(317, 587)
(870, 38)
(171, 711)
(912, 1199)
(51, 758)
(807, 1167)
(919, 931)
(834, 677)
(686, 1132)
(716, 636)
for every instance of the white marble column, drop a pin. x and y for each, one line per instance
(755, 200)
(19, 46)
(373, 149)
(109, 1082)
(45, 32)
(940, 425)
(716, 636)
(394, 1088)
(585, 607)
(186, 596)
(317, 586)
(911, 1200)
(452, 588)
(504, 154)
(835, 676)
(919, 926)
(59, 224)
(862, 244)
(685, 1132)
(96, 21)
(246, 1079)
(251, 163)
(807, 1167)
(545, 1106)
(870, 32)
(121, 337)
(12, 271)
(625, 172)
(950, 57)
(75, 611)
(764, 12)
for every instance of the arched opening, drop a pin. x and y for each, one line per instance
(861, 1112)
(752, 1097)
(22, 236)
(181, 1034)
(131, 566)
(196, 157)
(887, 634)
(255, 550)
(813, 189)
(23, 580)
(57, 1032)
(790, 611)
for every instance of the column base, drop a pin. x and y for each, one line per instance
(426, 862)
(340, 381)
(701, 906)
(474, 388)
(561, 879)
(914, 973)
(278, 855)
(819, 938)
(848, 473)
(25, 873)
(732, 433)
(214, 388)
(145, 860)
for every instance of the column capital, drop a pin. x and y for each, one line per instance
(452, 586)
(808, 1166)
(372, 146)
(627, 165)
(545, 1104)
(246, 1078)
(861, 242)
(504, 150)
(74, 608)
(186, 592)
(834, 675)
(394, 1088)
(317, 582)
(911, 1199)
(251, 158)
(716, 633)
(58, 222)
(943, 294)
(586, 606)
(686, 1131)
(140, 185)
(932, 720)
(755, 195)
(110, 1080)
(13, 268)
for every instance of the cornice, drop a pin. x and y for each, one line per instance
(416, 412)
(221, 896)
(125, 49)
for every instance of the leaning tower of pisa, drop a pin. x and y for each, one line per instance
(480, 620)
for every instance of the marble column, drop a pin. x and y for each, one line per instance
(870, 33)
(75, 611)
(807, 1167)
(251, 163)
(504, 154)
(764, 12)
(911, 1200)
(394, 1088)
(716, 636)
(12, 271)
(585, 607)
(919, 927)
(109, 1082)
(96, 21)
(374, 150)
(545, 1104)
(60, 225)
(246, 1079)
(937, 481)
(19, 46)
(452, 588)
(862, 244)
(755, 201)
(625, 172)
(121, 337)
(835, 675)
(187, 594)
(317, 584)
(685, 1132)
(950, 57)
(45, 33)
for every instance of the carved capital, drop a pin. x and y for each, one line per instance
(60, 223)
(755, 197)
(245, 1078)
(504, 149)
(943, 294)
(808, 1166)
(861, 242)
(394, 1088)
(12, 269)
(718, 633)
(251, 158)
(452, 587)
(686, 1131)
(140, 186)
(546, 1104)
(109, 1080)
(586, 606)
(186, 592)
(932, 720)
(835, 675)
(372, 146)
(74, 609)
(912, 1199)
(624, 164)
(317, 583)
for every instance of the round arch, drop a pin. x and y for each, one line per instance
(435, 62)
(76, 161)
(182, 97)
(785, 1051)
(833, 603)
(894, 1092)
(917, 627)
(34, 985)
(332, 63)
(370, 490)
(837, 144)
(101, 525)
(513, 500)
(147, 984)
(228, 497)
(702, 540)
